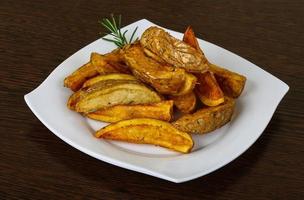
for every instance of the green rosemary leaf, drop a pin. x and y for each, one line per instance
(113, 26)
(133, 34)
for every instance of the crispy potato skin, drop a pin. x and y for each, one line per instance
(208, 90)
(77, 78)
(173, 51)
(230, 82)
(164, 78)
(148, 131)
(185, 103)
(206, 119)
(162, 111)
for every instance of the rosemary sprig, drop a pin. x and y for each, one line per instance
(113, 26)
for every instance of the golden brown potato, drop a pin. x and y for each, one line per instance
(106, 64)
(208, 90)
(206, 119)
(185, 103)
(115, 76)
(112, 92)
(173, 51)
(148, 131)
(230, 82)
(162, 111)
(77, 78)
(165, 79)
(190, 38)
(189, 84)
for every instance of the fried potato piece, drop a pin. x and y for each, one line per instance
(77, 78)
(173, 51)
(206, 119)
(208, 90)
(230, 82)
(112, 92)
(189, 84)
(162, 111)
(115, 76)
(190, 38)
(148, 131)
(165, 79)
(99, 64)
(185, 103)
(109, 63)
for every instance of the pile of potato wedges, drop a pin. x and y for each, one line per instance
(138, 87)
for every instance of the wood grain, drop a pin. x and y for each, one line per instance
(36, 36)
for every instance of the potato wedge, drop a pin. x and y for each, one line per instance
(230, 82)
(208, 90)
(206, 119)
(189, 84)
(190, 38)
(165, 79)
(115, 76)
(173, 51)
(77, 78)
(162, 111)
(113, 92)
(148, 131)
(106, 64)
(185, 103)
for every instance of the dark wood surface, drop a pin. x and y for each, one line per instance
(36, 36)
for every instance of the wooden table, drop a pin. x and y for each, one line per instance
(36, 36)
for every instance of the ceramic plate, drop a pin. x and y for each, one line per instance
(254, 109)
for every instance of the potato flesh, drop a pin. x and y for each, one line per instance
(173, 51)
(148, 131)
(185, 103)
(206, 119)
(162, 111)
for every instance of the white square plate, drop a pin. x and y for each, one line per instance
(254, 109)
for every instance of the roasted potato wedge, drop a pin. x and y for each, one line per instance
(162, 111)
(115, 76)
(206, 119)
(148, 131)
(77, 78)
(230, 82)
(185, 103)
(208, 90)
(173, 51)
(165, 79)
(190, 38)
(112, 92)
(189, 84)
(106, 64)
